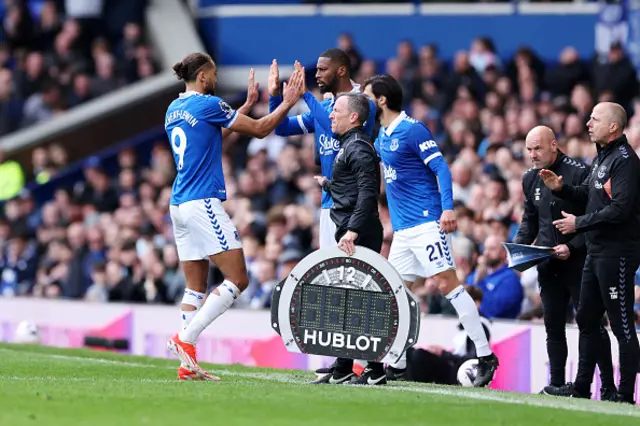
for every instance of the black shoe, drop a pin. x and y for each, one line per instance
(619, 397)
(568, 391)
(395, 373)
(371, 378)
(327, 370)
(542, 392)
(487, 366)
(334, 378)
(608, 394)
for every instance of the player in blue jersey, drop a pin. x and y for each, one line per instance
(333, 77)
(202, 229)
(419, 195)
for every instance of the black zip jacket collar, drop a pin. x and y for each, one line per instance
(612, 217)
(355, 184)
(353, 131)
(542, 207)
(621, 141)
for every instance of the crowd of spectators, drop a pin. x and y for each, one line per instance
(57, 54)
(109, 238)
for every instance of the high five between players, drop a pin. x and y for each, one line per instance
(417, 178)
(332, 77)
(203, 231)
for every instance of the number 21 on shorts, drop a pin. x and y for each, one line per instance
(431, 251)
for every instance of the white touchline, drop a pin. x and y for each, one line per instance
(81, 379)
(513, 398)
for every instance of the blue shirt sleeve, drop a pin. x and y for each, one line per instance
(298, 125)
(218, 112)
(318, 112)
(427, 149)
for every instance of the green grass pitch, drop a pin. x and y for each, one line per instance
(42, 386)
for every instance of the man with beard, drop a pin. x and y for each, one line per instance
(332, 76)
(202, 229)
(419, 193)
(612, 225)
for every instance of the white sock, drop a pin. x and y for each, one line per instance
(193, 298)
(470, 319)
(401, 364)
(215, 306)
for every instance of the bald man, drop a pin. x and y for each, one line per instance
(611, 223)
(559, 277)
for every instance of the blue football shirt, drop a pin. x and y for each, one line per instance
(418, 180)
(194, 125)
(317, 121)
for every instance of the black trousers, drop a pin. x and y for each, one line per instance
(371, 239)
(608, 285)
(560, 283)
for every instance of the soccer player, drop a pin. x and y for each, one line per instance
(418, 186)
(202, 229)
(333, 77)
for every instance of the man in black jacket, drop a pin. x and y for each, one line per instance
(559, 277)
(354, 188)
(612, 226)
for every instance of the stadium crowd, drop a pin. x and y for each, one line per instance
(57, 54)
(109, 237)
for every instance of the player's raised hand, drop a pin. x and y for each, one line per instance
(292, 88)
(253, 90)
(553, 181)
(298, 67)
(448, 222)
(274, 79)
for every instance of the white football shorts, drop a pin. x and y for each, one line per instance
(327, 231)
(202, 228)
(421, 251)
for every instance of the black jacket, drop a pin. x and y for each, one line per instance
(542, 207)
(355, 185)
(612, 217)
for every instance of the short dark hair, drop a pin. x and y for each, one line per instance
(358, 103)
(387, 86)
(189, 67)
(99, 266)
(338, 57)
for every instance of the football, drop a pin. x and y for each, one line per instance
(467, 372)
(28, 333)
